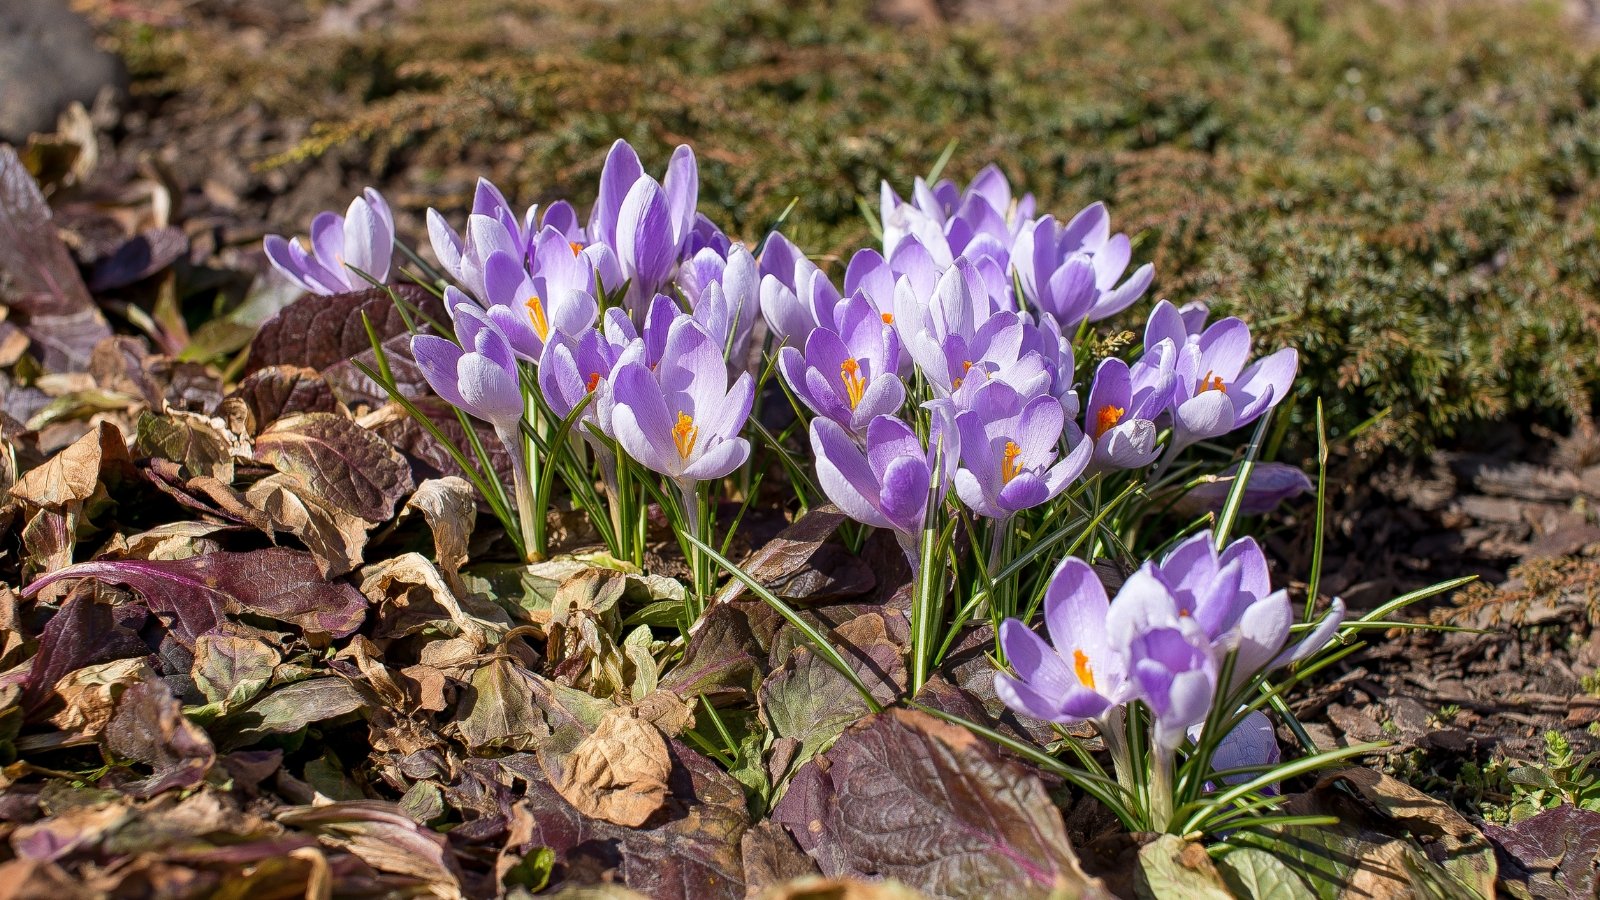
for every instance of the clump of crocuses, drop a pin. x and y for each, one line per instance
(1167, 671)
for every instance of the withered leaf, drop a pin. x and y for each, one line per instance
(149, 728)
(427, 456)
(90, 695)
(448, 506)
(139, 257)
(194, 442)
(271, 393)
(197, 593)
(1553, 854)
(290, 708)
(326, 333)
(336, 538)
(502, 708)
(82, 633)
(799, 563)
(40, 281)
(1451, 840)
(1171, 868)
(384, 837)
(722, 655)
(908, 797)
(617, 774)
(73, 475)
(231, 666)
(348, 465)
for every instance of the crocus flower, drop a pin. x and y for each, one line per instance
(360, 240)
(1083, 676)
(1009, 447)
(648, 223)
(1270, 484)
(681, 418)
(482, 381)
(1216, 391)
(724, 293)
(795, 296)
(1072, 271)
(528, 308)
(1176, 676)
(887, 484)
(1122, 409)
(848, 376)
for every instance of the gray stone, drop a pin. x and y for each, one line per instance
(48, 58)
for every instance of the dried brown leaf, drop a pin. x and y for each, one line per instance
(617, 774)
(349, 466)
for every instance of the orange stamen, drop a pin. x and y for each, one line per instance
(888, 318)
(684, 434)
(1107, 419)
(1081, 667)
(577, 248)
(541, 325)
(594, 381)
(1212, 382)
(1009, 466)
(854, 384)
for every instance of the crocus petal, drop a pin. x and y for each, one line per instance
(437, 358)
(490, 389)
(642, 422)
(682, 186)
(1206, 415)
(1316, 640)
(844, 475)
(617, 177)
(720, 460)
(644, 236)
(1251, 744)
(1034, 661)
(904, 492)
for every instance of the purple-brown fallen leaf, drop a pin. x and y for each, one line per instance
(1553, 854)
(41, 281)
(384, 837)
(196, 593)
(351, 467)
(149, 727)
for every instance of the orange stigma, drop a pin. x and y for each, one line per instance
(1107, 419)
(594, 381)
(854, 384)
(1009, 465)
(1212, 382)
(684, 434)
(1081, 667)
(577, 248)
(541, 325)
(888, 318)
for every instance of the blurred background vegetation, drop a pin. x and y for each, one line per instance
(1404, 191)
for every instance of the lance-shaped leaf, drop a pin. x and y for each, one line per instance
(196, 593)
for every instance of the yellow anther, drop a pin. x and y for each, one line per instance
(854, 384)
(1107, 419)
(1009, 464)
(684, 434)
(1081, 667)
(541, 325)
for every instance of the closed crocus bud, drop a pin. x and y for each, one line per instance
(481, 381)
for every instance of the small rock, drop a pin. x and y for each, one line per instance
(48, 59)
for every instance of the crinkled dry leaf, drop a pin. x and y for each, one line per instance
(1555, 854)
(384, 837)
(905, 796)
(196, 443)
(503, 707)
(619, 773)
(231, 666)
(349, 466)
(722, 656)
(269, 394)
(450, 509)
(336, 538)
(412, 596)
(149, 727)
(73, 475)
(800, 565)
(91, 693)
(1171, 868)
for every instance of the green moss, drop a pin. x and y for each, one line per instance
(1405, 194)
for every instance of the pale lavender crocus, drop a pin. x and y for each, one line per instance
(1218, 388)
(848, 376)
(724, 294)
(1080, 675)
(889, 483)
(1122, 407)
(1252, 744)
(360, 241)
(648, 223)
(681, 418)
(556, 298)
(795, 295)
(1071, 271)
(481, 381)
(1009, 449)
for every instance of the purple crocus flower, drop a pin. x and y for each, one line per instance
(848, 376)
(648, 223)
(1123, 405)
(887, 484)
(724, 293)
(1252, 744)
(681, 418)
(795, 296)
(1084, 676)
(1008, 452)
(529, 308)
(1217, 391)
(1229, 597)
(1270, 484)
(1071, 271)
(482, 381)
(360, 240)
(1176, 676)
